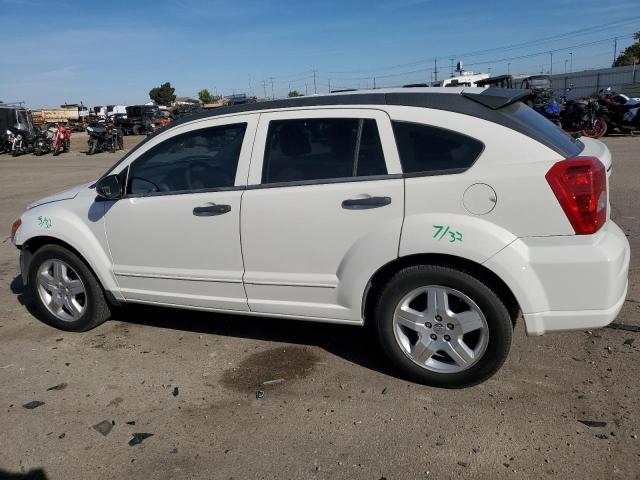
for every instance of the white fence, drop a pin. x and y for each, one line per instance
(587, 83)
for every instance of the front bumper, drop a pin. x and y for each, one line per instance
(567, 282)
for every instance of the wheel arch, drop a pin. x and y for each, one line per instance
(482, 273)
(33, 244)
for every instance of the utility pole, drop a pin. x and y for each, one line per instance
(273, 95)
(329, 85)
(435, 69)
(551, 67)
(250, 86)
(615, 50)
(374, 83)
(509, 68)
(565, 65)
(571, 61)
(315, 87)
(264, 87)
(306, 89)
(451, 60)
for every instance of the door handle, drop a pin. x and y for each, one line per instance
(365, 203)
(211, 210)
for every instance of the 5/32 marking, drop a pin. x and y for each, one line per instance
(442, 230)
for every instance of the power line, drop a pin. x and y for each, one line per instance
(561, 36)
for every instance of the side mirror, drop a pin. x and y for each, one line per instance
(109, 187)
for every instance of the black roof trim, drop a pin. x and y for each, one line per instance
(497, 98)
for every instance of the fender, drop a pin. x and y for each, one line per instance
(473, 238)
(68, 222)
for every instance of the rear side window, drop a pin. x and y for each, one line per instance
(322, 148)
(427, 149)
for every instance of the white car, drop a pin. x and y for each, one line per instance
(433, 215)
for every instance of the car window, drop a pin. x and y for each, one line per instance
(197, 160)
(322, 148)
(425, 149)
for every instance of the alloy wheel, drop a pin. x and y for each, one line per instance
(440, 329)
(61, 290)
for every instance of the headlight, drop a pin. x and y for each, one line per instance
(9, 132)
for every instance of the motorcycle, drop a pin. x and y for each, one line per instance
(20, 141)
(62, 140)
(550, 110)
(621, 112)
(583, 117)
(104, 137)
(43, 142)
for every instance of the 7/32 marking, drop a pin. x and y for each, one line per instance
(442, 230)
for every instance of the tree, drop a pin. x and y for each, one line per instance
(205, 96)
(631, 54)
(163, 95)
(294, 93)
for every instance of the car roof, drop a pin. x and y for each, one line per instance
(456, 99)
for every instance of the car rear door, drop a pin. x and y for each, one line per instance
(322, 211)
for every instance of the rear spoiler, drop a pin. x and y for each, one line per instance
(496, 98)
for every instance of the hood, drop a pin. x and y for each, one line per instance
(56, 197)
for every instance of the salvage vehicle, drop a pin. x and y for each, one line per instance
(434, 216)
(62, 139)
(13, 116)
(103, 137)
(140, 119)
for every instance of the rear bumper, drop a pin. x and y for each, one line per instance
(562, 321)
(567, 282)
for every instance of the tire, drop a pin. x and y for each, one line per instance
(137, 130)
(493, 338)
(95, 309)
(598, 129)
(112, 146)
(93, 145)
(56, 151)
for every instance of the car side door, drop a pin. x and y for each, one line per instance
(174, 238)
(322, 211)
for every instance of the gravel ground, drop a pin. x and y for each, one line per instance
(190, 380)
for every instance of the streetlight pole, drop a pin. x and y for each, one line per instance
(551, 67)
(509, 68)
(571, 61)
(565, 65)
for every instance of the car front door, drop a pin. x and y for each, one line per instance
(175, 236)
(322, 210)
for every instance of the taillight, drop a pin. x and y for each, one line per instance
(14, 228)
(580, 185)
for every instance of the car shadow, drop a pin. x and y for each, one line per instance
(37, 474)
(352, 343)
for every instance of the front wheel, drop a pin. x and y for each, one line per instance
(66, 293)
(442, 327)
(597, 129)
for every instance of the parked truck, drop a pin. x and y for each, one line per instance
(74, 116)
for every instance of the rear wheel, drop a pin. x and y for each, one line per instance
(137, 130)
(66, 292)
(443, 327)
(93, 146)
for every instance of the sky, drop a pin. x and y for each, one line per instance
(114, 52)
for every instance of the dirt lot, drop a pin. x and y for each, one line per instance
(190, 380)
